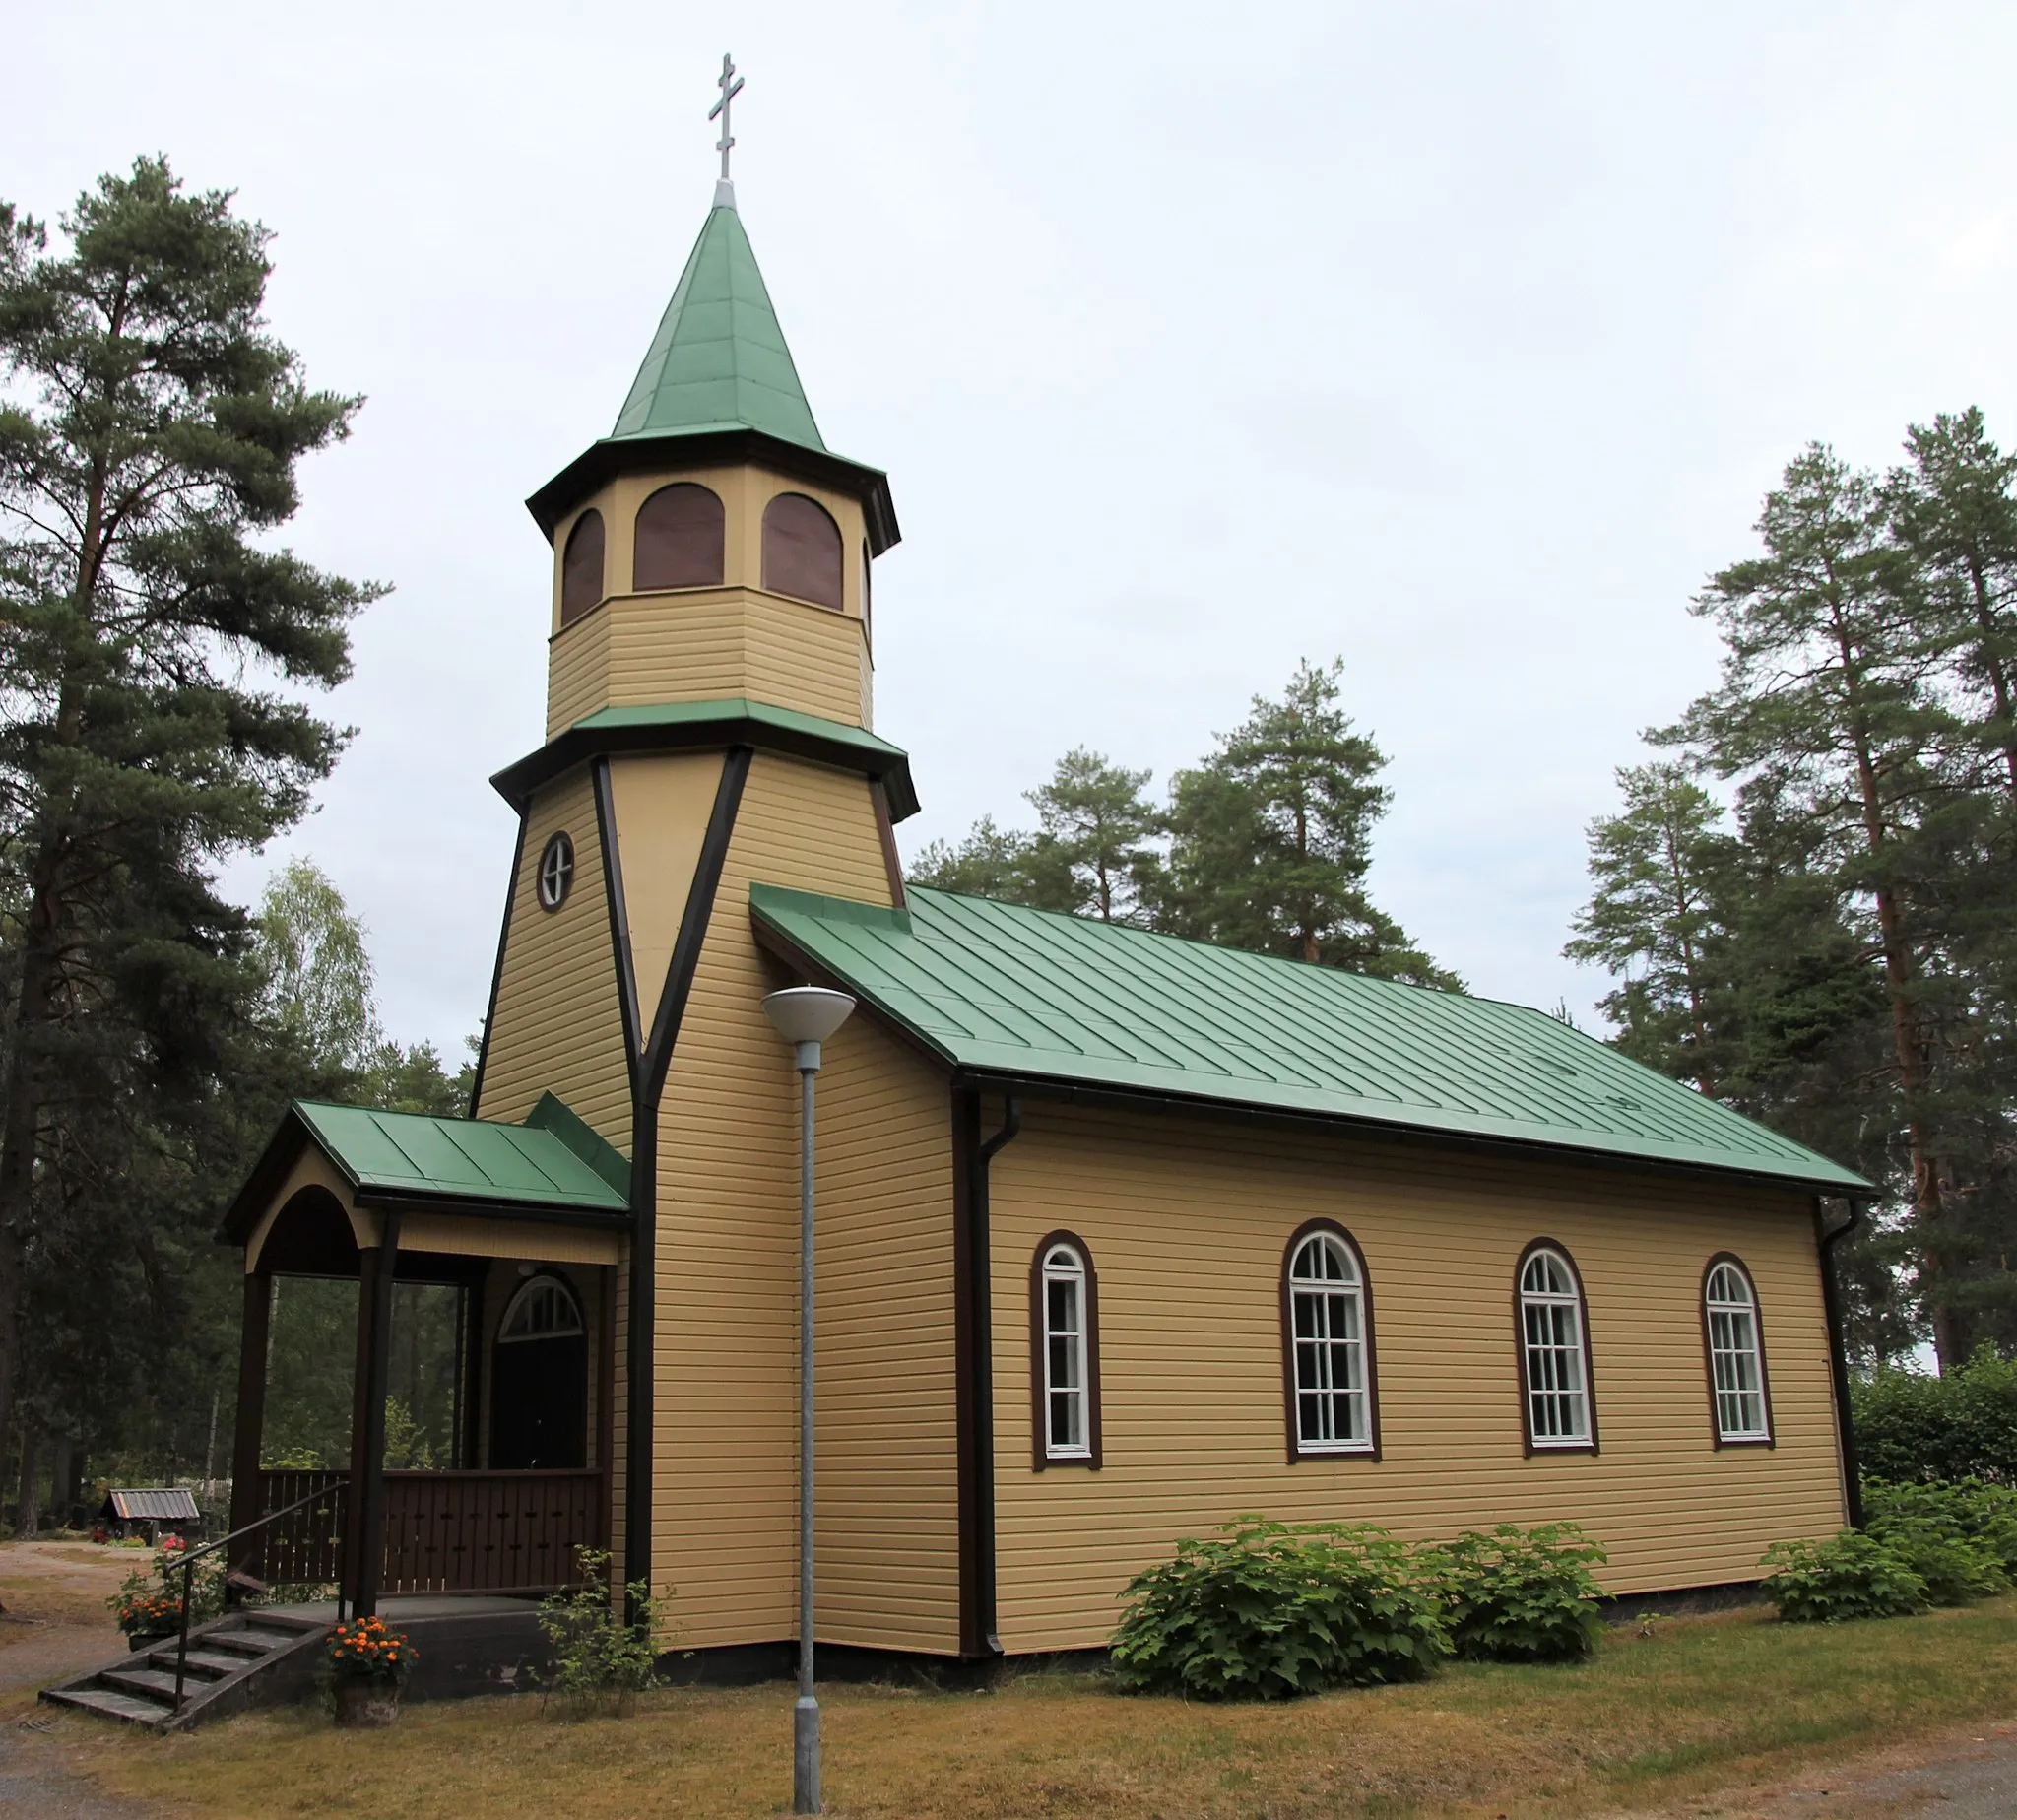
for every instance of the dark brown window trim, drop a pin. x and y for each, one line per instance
(1288, 1348)
(1770, 1438)
(1039, 1430)
(1520, 1354)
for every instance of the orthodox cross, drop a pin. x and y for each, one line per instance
(731, 86)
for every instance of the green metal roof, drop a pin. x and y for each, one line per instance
(719, 360)
(997, 988)
(737, 720)
(469, 1159)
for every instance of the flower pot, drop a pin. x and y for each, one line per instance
(365, 1699)
(148, 1640)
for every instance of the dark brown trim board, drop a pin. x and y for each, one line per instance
(638, 1351)
(476, 1085)
(249, 1425)
(1307, 1229)
(1040, 1455)
(1520, 1353)
(1826, 1238)
(973, 1367)
(885, 831)
(1770, 1438)
(619, 919)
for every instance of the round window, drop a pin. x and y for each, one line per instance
(556, 872)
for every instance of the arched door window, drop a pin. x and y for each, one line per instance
(1063, 1305)
(582, 568)
(539, 1379)
(1327, 1315)
(678, 539)
(1554, 1353)
(1737, 1354)
(801, 551)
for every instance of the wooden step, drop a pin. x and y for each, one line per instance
(158, 1682)
(204, 1664)
(112, 1705)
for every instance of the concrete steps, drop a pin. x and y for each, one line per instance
(242, 1659)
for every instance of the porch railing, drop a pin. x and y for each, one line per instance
(456, 1531)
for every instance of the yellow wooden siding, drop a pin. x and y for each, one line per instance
(725, 1412)
(1187, 1227)
(662, 806)
(578, 671)
(888, 1487)
(707, 644)
(557, 1026)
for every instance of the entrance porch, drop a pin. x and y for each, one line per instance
(523, 1225)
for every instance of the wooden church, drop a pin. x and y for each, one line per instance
(1119, 1235)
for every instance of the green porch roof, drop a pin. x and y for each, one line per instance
(998, 989)
(467, 1159)
(719, 359)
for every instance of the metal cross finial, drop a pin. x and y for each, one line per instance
(731, 86)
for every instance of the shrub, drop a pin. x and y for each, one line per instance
(1517, 1596)
(600, 1661)
(1267, 1610)
(1849, 1575)
(1960, 1426)
(1953, 1537)
(1982, 1513)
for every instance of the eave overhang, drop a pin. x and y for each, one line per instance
(701, 726)
(726, 445)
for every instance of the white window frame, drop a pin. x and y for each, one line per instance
(534, 1287)
(1736, 1353)
(1063, 1266)
(1554, 1356)
(1328, 1366)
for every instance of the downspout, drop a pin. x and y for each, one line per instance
(1838, 1357)
(983, 1368)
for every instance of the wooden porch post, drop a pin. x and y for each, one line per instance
(250, 1425)
(364, 1557)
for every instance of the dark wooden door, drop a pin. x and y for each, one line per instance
(539, 1403)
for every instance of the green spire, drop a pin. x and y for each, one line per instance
(718, 360)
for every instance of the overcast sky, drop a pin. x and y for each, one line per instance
(1460, 341)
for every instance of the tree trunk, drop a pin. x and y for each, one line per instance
(28, 1507)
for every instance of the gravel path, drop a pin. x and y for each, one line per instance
(50, 1630)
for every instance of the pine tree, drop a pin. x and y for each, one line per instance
(1830, 715)
(1661, 869)
(152, 648)
(1097, 831)
(1271, 838)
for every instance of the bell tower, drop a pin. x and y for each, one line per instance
(711, 547)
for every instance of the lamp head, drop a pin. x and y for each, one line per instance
(806, 1017)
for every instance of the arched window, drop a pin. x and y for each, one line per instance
(802, 552)
(1554, 1353)
(582, 568)
(1737, 1385)
(868, 595)
(543, 1308)
(1064, 1332)
(1328, 1344)
(678, 539)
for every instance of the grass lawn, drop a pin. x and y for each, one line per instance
(1703, 1703)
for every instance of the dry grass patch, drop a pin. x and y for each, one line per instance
(1708, 1702)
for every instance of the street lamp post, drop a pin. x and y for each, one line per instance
(806, 1017)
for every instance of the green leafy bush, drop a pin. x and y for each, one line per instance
(1517, 1596)
(1909, 1426)
(1982, 1513)
(600, 1661)
(1849, 1575)
(1267, 1610)
(1955, 1537)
